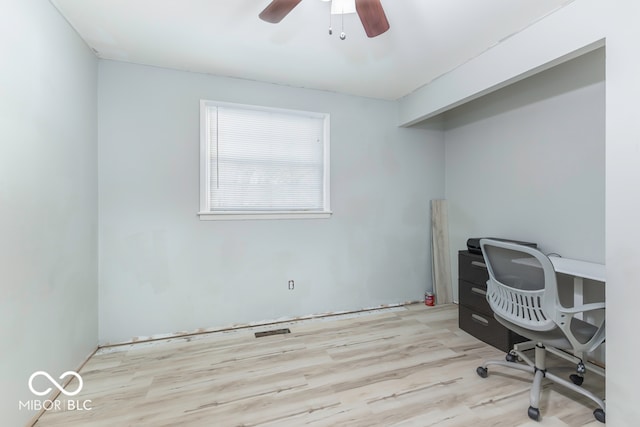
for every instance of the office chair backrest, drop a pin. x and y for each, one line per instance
(522, 285)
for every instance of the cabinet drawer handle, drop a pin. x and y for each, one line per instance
(479, 264)
(479, 319)
(479, 291)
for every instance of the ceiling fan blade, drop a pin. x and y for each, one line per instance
(372, 16)
(277, 10)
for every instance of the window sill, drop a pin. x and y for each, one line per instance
(225, 216)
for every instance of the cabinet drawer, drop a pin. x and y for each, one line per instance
(471, 268)
(474, 296)
(486, 328)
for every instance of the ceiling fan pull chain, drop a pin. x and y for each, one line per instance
(342, 34)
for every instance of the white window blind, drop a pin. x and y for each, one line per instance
(261, 160)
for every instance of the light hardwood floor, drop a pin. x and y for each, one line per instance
(409, 366)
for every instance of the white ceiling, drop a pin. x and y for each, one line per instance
(225, 37)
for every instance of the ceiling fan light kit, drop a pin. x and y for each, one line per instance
(370, 12)
(341, 7)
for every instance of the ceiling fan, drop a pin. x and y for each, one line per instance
(370, 12)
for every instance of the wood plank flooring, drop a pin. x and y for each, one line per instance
(409, 366)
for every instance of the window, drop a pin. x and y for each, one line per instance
(258, 162)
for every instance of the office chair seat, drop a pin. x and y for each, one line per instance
(522, 291)
(583, 332)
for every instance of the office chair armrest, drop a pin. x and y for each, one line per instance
(584, 308)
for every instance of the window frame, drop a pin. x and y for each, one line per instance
(205, 212)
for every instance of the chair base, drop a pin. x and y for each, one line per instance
(537, 367)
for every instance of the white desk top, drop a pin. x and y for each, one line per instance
(574, 267)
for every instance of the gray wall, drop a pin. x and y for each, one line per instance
(162, 270)
(48, 200)
(527, 162)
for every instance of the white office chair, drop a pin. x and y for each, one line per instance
(522, 291)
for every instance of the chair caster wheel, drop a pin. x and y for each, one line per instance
(482, 372)
(511, 358)
(599, 415)
(576, 379)
(534, 413)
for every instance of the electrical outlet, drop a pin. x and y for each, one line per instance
(291, 285)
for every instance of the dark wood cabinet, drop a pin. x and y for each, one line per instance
(474, 314)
